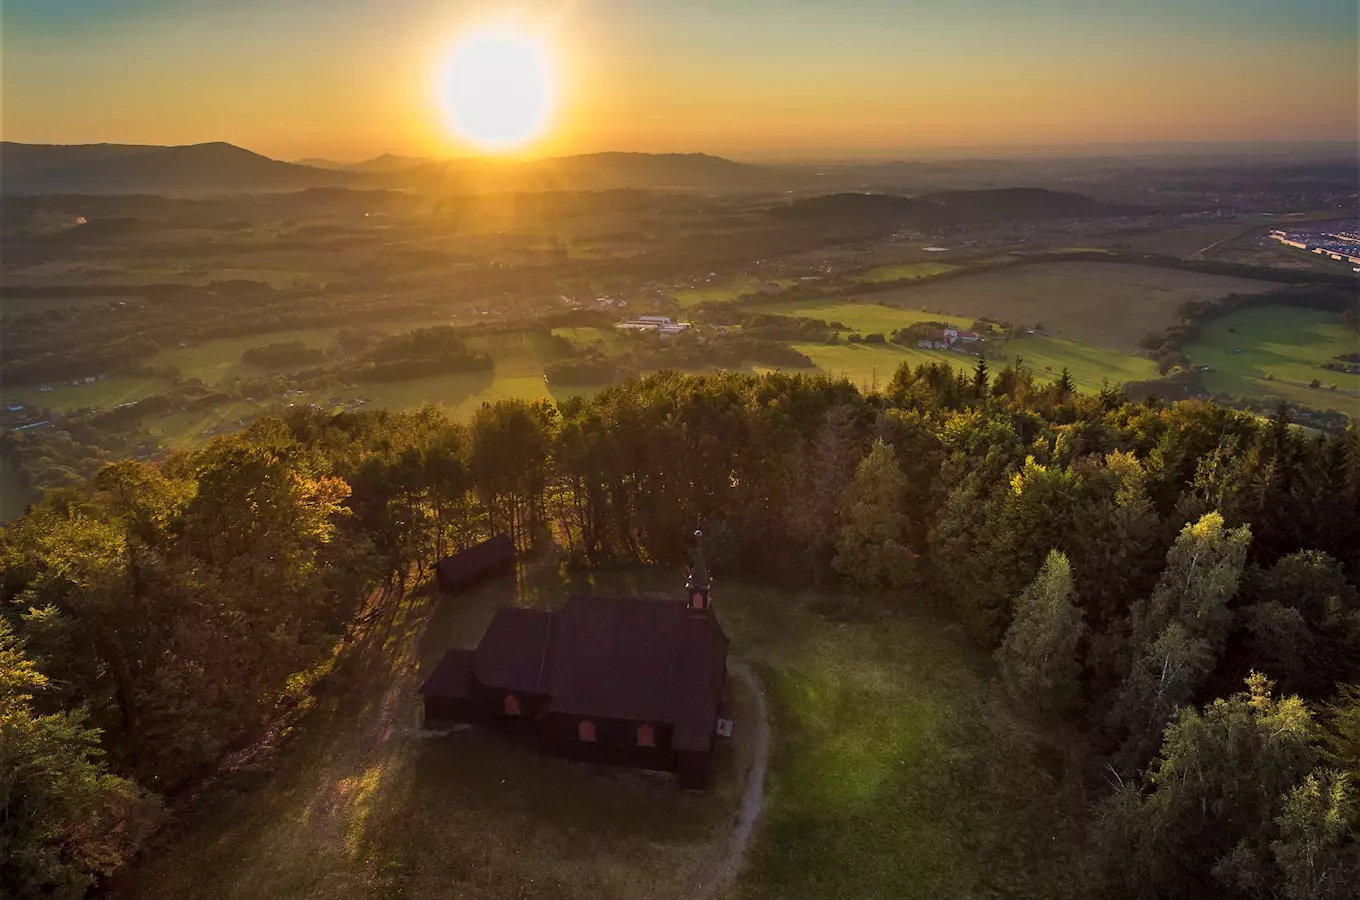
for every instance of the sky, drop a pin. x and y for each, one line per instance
(751, 79)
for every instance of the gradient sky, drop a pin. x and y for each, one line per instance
(349, 79)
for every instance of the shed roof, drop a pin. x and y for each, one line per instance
(452, 677)
(477, 559)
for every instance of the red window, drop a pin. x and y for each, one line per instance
(511, 705)
(698, 600)
(585, 731)
(646, 736)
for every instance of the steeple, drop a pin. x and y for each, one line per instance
(697, 587)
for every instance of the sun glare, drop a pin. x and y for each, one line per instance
(498, 88)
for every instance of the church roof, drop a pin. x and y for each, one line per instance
(629, 658)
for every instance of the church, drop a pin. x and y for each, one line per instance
(622, 680)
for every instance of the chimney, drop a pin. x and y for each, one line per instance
(696, 588)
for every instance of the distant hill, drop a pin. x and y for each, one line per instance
(387, 162)
(1012, 204)
(867, 212)
(587, 172)
(174, 171)
(218, 168)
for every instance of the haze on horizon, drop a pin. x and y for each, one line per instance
(349, 79)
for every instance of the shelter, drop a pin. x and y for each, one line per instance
(621, 680)
(467, 567)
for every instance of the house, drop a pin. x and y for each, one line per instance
(467, 567)
(924, 344)
(619, 680)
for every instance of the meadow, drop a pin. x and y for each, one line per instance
(894, 774)
(1282, 351)
(1105, 304)
(905, 270)
(110, 391)
(728, 290)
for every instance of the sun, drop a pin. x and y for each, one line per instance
(498, 88)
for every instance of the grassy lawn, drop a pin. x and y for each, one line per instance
(905, 270)
(894, 774)
(1285, 342)
(1104, 304)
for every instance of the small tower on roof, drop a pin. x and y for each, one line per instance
(697, 587)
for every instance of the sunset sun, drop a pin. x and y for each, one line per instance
(498, 88)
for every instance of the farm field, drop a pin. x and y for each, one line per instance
(219, 358)
(1105, 304)
(893, 775)
(1091, 367)
(20, 306)
(1283, 349)
(905, 270)
(864, 316)
(727, 291)
(111, 391)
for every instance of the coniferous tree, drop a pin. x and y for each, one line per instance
(870, 550)
(1039, 659)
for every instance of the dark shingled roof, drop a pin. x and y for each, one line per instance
(452, 677)
(513, 654)
(638, 659)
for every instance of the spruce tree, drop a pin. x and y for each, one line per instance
(871, 550)
(1038, 660)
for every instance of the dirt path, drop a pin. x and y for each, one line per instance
(722, 876)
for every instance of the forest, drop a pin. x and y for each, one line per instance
(1174, 585)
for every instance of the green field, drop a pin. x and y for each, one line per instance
(1091, 367)
(1283, 348)
(894, 773)
(727, 291)
(864, 316)
(866, 364)
(111, 391)
(1105, 304)
(19, 306)
(220, 358)
(905, 270)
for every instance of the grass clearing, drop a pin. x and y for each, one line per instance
(1283, 349)
(1105, 304)
(893, 775)
(904, 270)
